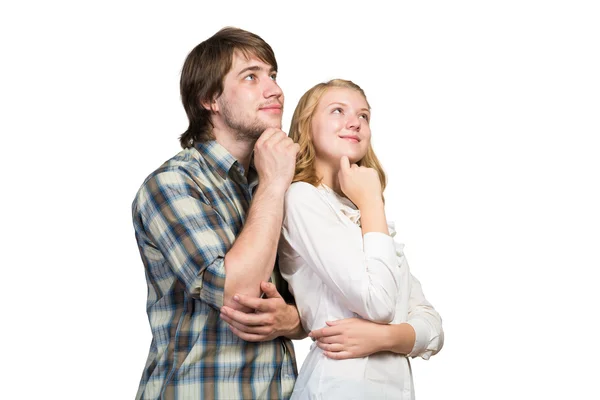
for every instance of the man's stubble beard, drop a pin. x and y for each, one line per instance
(245, 131)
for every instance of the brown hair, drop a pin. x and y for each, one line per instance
(300, 132)
(203, 73)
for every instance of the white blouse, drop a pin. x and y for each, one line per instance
(334, 273)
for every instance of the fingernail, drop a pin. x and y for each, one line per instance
(236, 297)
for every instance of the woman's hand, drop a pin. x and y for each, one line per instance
(349, 338)
(359, 184)
(362, 186)
(356, 338)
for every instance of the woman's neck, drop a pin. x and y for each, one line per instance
(329, 176)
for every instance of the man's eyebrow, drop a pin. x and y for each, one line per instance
(254, 68)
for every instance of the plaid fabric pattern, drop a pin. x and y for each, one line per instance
(186, 216)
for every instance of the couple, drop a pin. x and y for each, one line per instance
(211, 221)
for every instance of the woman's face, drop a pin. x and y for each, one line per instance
(340, 126)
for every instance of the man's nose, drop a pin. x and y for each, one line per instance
(272, 89)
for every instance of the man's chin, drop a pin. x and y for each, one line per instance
(269, 126)
(273, 124)
(253, 132)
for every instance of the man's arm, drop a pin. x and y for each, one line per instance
(272, 318)
(173, 217)
(252, 256)
(174, 222)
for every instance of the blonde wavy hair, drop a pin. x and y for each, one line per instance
(301, 133)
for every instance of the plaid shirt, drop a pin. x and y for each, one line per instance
(187, 215)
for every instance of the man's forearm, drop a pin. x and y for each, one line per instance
(252, 257)
(295, 331)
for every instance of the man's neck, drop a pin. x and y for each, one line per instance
(240, 149)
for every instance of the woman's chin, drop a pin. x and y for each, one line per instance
(354, 157)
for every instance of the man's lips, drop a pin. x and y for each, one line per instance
(271, 108)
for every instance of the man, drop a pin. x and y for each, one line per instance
(207, 223)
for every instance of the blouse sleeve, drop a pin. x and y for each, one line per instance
(425, 320)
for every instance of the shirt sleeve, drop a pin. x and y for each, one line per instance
(364, 279)
(427, 323)
(187, 231)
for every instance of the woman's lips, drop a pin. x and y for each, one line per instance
(351, 139)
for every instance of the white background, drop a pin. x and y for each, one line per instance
(485, 116)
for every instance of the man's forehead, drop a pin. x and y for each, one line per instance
(245, 59)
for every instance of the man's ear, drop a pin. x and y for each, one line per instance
(210, 105)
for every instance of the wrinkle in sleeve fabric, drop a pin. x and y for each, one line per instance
(366, 279)
(425, 320)
(188, 232)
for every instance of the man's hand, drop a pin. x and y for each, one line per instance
(355, 338)
(275, 159)
(272, 317)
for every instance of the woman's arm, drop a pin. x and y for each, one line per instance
(426, 322)
(356, 338)
(422, 335)
(365, 279)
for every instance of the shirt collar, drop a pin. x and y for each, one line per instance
(221, 161)
(252, 175)
(217, 157)
(344, 204)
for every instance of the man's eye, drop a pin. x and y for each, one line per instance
(250, 77)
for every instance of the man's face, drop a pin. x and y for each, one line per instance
(251, 101)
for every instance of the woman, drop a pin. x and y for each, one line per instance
(337, 253)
